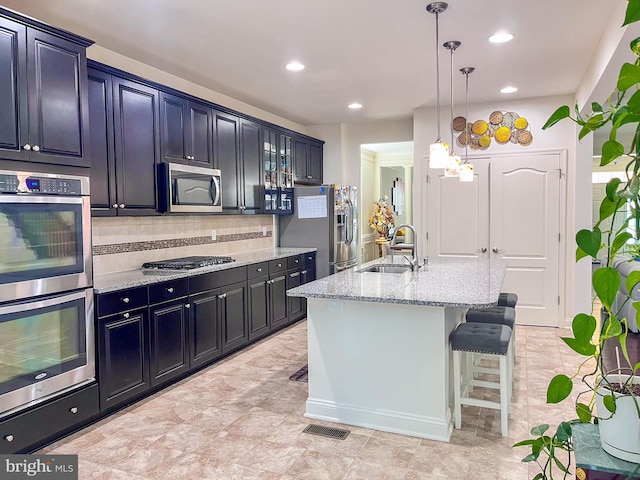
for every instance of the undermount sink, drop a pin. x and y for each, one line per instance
(382, 268)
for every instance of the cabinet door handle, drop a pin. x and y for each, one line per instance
(9, 438)
(125, 315)
(27, 147)
(73, 410)
(187, 305)
(496, 250)
(224, 295)
(304, 272)
(36, 148)
(309, 176)
(122, 205)
(170, 289)
(115, 205)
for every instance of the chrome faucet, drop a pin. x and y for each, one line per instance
(414, 249)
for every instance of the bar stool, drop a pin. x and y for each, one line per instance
(507, 299)
(495, 315)
(487, 339)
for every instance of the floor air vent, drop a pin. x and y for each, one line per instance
(337, 433)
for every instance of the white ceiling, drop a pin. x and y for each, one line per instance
(380, 53)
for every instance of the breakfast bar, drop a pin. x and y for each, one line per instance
(378, 341)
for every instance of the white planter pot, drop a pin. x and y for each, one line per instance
(620, 434)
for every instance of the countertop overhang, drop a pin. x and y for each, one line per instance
(445, 282)
(110, 282)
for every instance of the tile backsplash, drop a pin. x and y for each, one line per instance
(125, 243)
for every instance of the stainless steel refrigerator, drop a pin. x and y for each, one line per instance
(324, 217)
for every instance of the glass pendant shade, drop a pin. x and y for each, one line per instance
(452, 169)
(438, 155)
(466, 172)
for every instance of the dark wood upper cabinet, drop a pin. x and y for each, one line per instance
(307, 160)
(14, 127)
(43, 96)
(225, 157)
(186, 133)
(250, 166)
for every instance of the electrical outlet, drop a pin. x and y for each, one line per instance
(264, 231)
(213, 235)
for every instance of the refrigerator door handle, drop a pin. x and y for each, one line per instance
(349, 222)
(340, 268)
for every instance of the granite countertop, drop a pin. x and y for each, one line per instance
(136, 278)
(444, 282)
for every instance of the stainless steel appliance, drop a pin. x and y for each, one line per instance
(187, 263)
(45, 234)
(324, 217)
(46, 299)
(187, 189)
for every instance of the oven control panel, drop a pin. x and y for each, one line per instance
(26, 183)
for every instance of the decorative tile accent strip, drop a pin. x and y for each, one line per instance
(172, 243)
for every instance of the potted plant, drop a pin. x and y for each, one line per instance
(616, 392)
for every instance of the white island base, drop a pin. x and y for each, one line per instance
(384, 366)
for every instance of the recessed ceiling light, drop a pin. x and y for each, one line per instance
(508, 90)
(355, 105)
(294, 66)
(500, 37)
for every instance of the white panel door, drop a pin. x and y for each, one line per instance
(525, 231)
(513, 206)
(457, 224)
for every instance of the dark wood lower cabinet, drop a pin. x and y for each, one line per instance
(34, 427)
(205, 344)
(233, 308)
(279, 306)
(259, 305)
(168, 345)
(297, 306)
(123, 357)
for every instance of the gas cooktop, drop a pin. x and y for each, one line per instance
(186, 263)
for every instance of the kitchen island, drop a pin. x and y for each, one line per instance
(378, 343)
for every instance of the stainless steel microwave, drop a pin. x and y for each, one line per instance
(187, 189)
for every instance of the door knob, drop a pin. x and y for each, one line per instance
(483, 249)
(496, 250)
(36, 148)
(122, 205)
(115, 205)
(73, 410)
(26, 147)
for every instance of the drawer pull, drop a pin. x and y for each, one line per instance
(259, 270)
(296, 261)
(125, 315)
(73, 410)
(126, 300)
(279, 265)
(9, 438)
(170, 289)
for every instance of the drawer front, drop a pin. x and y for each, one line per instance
(258, 270)
(309, 258)
(121, 301)
(46, 421)
(210, 281)
(295, 261)
(279, 265)
(170, 290)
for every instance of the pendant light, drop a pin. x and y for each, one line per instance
(466, 169)
(452, 169)
(438, 150)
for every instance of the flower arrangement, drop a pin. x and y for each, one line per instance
(381, 219)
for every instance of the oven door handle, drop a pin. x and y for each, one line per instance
(215, 192)
(45, 302)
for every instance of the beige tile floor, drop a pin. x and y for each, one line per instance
(242, 419)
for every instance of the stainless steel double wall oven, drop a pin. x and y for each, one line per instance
(46, 295)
